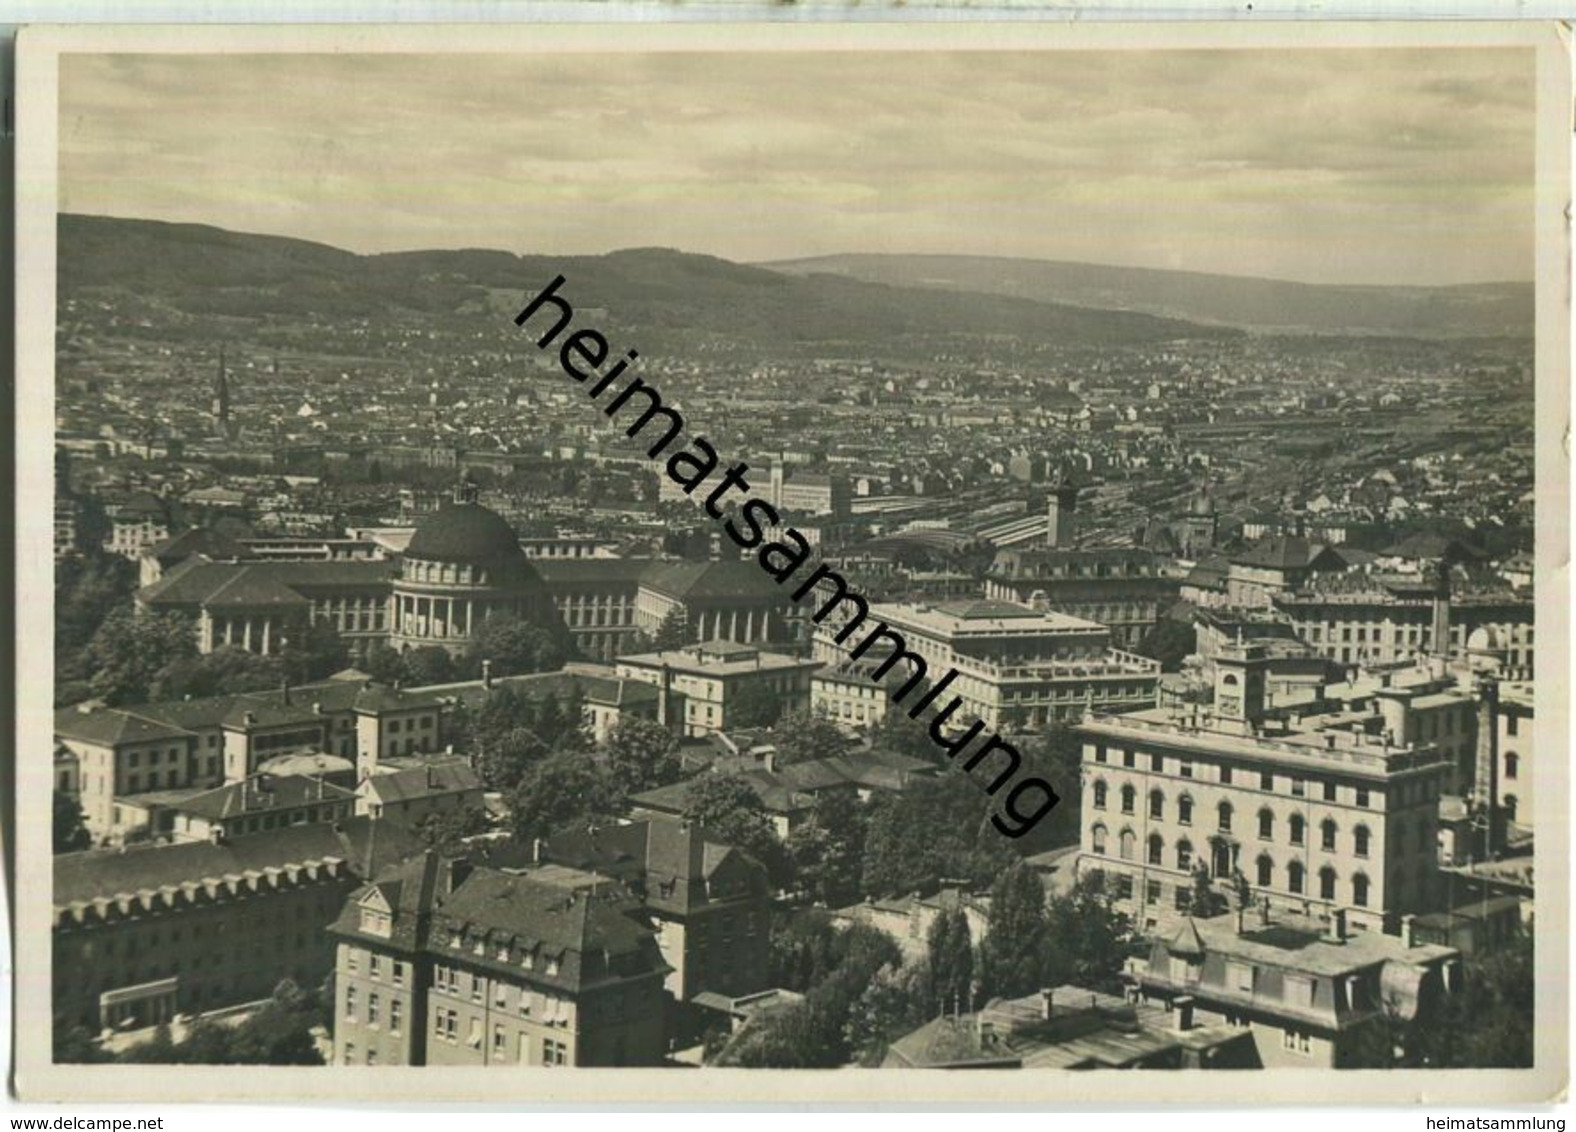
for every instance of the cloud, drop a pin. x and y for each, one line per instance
(1362, 166)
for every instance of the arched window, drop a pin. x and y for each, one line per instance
(1229, 679)
(1128, 795)
(1098, 840)
(1512, 765)
(1296, 829)
(1224, 810)
(1099, 795)
(1185, 810)
(1266, 825)
(1327, 833)
(1360, 840)
(1184, 855)
(1126, 846)
(1157, 804)
(1294, 876)
(1360, 890)
(1510, 807)
(1157, 848)
(1266, 871)
(1326, 883)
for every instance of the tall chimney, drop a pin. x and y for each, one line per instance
(487, 681)
(1182, 1013)
(1047, 1003)
(1409, 930)
(1336, 929)
(1440, 609)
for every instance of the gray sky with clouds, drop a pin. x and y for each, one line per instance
(1378, 166)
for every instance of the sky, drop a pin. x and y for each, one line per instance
(1379, 166)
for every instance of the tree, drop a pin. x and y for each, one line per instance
(728, 809)
(504, 760)
(430, 664)
(384, 665)
(827, 850)
(641, 754)
(1088, 940)
(514, 646)
(801, 737)
(950, 950)
(1012, 954)
(70, 833)
(753, 706)
(1488, 1022)
(313, 651)
(227, 670)
(936, 829)
(814, 1034)
(446, 830)
(1055, 755)
(901, 734)
(673, 632)
(280, 1033)
(1203, 900)
(1170, 642)
(896, 1001)
(130, 650)
(157, 1050)
(88, 587)
(563, 791)
(207, 1043)
(72, 1044)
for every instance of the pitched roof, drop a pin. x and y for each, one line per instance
(111, 727)
(1283, 552)
(447, 777)
(362, 844)
(260, 793)
(731, 578)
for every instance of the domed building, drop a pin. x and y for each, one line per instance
(463, 565)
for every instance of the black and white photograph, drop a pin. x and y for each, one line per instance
(882, 549)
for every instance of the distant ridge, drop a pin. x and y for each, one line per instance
(1263, 305)
(192, 274)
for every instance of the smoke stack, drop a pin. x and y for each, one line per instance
(1336, 930)
(1409, 930)
(1047, 1003)
(487, 681)
(1182, 1013)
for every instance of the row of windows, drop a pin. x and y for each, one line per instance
(446, 1023)
(376, 964)
(1225, 815)
(374, 1010)
(1296, 883)
(1330, 790)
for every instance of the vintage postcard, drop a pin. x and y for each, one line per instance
(718, 552)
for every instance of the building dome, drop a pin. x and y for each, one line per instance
(462, 566)
(467, 534)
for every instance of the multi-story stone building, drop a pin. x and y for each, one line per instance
(1311, 995)
(1277, 565)
(148, 932)
(1123, 589)
(1326, 813)
(440, 963)
(715, 676)
(711, 901)
(1514, 720)
(125, 762)
(1016, 667)
(1399, 620)
(460, 565)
